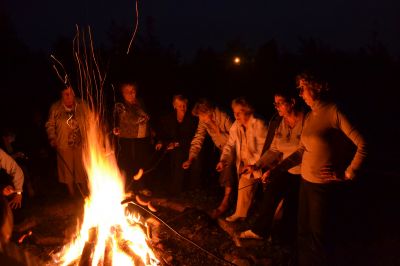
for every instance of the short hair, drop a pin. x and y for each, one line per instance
(64, 87)
(246, 106)
(203, 106)
(124, 83)
(179, 97)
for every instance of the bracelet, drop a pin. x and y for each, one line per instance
(19, 192)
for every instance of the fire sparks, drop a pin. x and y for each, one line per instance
(108, 235)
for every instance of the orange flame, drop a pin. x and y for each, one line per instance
(116, 230)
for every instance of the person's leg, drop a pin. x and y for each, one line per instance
(316, 245)
(226, 178)
(80, 173)
(286, 228)
(246, 189)
(65, 169)
(272, 195)
(177, 172)
(125, 158)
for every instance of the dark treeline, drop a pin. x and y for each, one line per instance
(365, 80)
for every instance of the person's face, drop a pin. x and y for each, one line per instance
(305, 92)
(180, 106)
(240, 115)
(68, 97)
(129, 93)
(283, 107)
(9, 138)
(205, 117)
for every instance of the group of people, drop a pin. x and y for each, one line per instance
(301, 157)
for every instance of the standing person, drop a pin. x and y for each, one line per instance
(284, 186)
(216, 123)
(328, 161)
(246, 141)
(11, 167)
(176, 131)
(65, 127)
(132, 129)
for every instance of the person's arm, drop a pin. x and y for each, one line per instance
(224, 126)
(51, 126)
(289, 162)
(357, 138)
(197, 141)
(118, 109)
(11, 167)
(269, 159)
(229, 148)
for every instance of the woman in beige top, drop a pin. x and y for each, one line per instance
(328, 162)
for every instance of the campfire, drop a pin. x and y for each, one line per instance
(108, 234)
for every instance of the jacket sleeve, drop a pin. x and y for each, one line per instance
(11, 167)
(357, 138)
(197, 141)
(229, 148)
(289, 162)
(271, 156)
(51, 124)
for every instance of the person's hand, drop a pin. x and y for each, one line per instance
(220, 166)
(248, 169)
(187, 164)
(143, 119)
(158, 146)
(8, 190)
(170, 146)
(265, 176)
(16, 201)
(116, 131)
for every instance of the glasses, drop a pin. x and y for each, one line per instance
(278, 104)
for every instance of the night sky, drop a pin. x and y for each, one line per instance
(188, 25)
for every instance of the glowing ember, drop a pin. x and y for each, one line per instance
(109, 235)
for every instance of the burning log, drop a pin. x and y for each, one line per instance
(87, 253)
(124, 246)
(108, 252)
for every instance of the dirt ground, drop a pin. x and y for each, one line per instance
(186, 235)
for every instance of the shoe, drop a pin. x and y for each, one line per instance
(234, 218)
(248, 234)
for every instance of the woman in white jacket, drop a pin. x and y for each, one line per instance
(246, 141)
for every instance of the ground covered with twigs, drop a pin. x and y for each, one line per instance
(186, 235)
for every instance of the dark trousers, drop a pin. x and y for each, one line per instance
(321, 213)
(286, 187)
(134, 154)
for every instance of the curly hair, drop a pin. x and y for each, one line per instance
(315, 82)
(203, 106)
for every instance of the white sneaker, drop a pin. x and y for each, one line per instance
(234, 218)
(249, 234)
